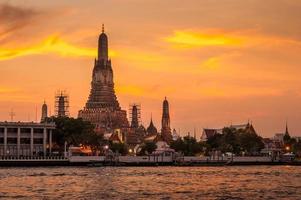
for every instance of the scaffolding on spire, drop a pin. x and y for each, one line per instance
(61, 104)
(135, 115)
(12, 114)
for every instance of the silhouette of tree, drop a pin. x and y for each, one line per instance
(235, 141)
(147, 148)
(188, 145)
(75, 132)
(120, 148)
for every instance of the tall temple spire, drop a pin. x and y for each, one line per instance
(134, 116)
(102, 108)
(286, 137)
(102, 93)
(194, 133)
(286, 128)
(103, 45)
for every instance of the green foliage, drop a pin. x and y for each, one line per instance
(147, 148)
(250, 143)
(178, 145)
(188, 145)
(119, 148)
(75, 132)
(296, 148)
(214, 142)
(236, 141)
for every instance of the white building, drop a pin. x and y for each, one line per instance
(279, 137)
(175, 135)
(22, 139)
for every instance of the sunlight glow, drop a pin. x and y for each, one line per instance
(190, 39)
(53, 44)
(129, 90)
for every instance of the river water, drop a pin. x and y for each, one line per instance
(232, 182)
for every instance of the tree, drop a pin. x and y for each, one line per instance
(230, 140)
(147, 148)
(192, 146)
(188, 145)
(297, 148)
(286, 138)
(95, 141)
(75, 132)
(235, 141)
(250, 143)
(119, 148)
(178, 145)
(214, 143)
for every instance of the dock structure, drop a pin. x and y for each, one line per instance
(25, 139)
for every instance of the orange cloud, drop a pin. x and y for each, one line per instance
(221, 38)
(191, 39)
(5, 90)
(12, 94)
(215, 62)
(51, 45)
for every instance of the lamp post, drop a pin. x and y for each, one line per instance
(287, 148)
(130, 151)
(65, 149)
(106, 148)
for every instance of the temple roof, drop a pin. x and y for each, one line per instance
(133, 138)
(151, 129)
(210, 132)
(115, 138)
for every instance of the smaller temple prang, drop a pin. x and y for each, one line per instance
(166, 130)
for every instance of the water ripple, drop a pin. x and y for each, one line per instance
(247, 182)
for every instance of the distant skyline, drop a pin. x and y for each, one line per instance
(217, 61)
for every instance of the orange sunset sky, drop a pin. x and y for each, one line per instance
(217, 61)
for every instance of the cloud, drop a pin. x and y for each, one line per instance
(52, 44)
(6, 90)
(222, 38)
(10, 94)
(22, 24)
(9, 13)
(13, 18)
(215, 62)
(55, 44)
(190, 39)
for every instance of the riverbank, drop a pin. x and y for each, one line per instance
(137, 161)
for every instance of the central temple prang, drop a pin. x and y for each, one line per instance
(102, 108)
